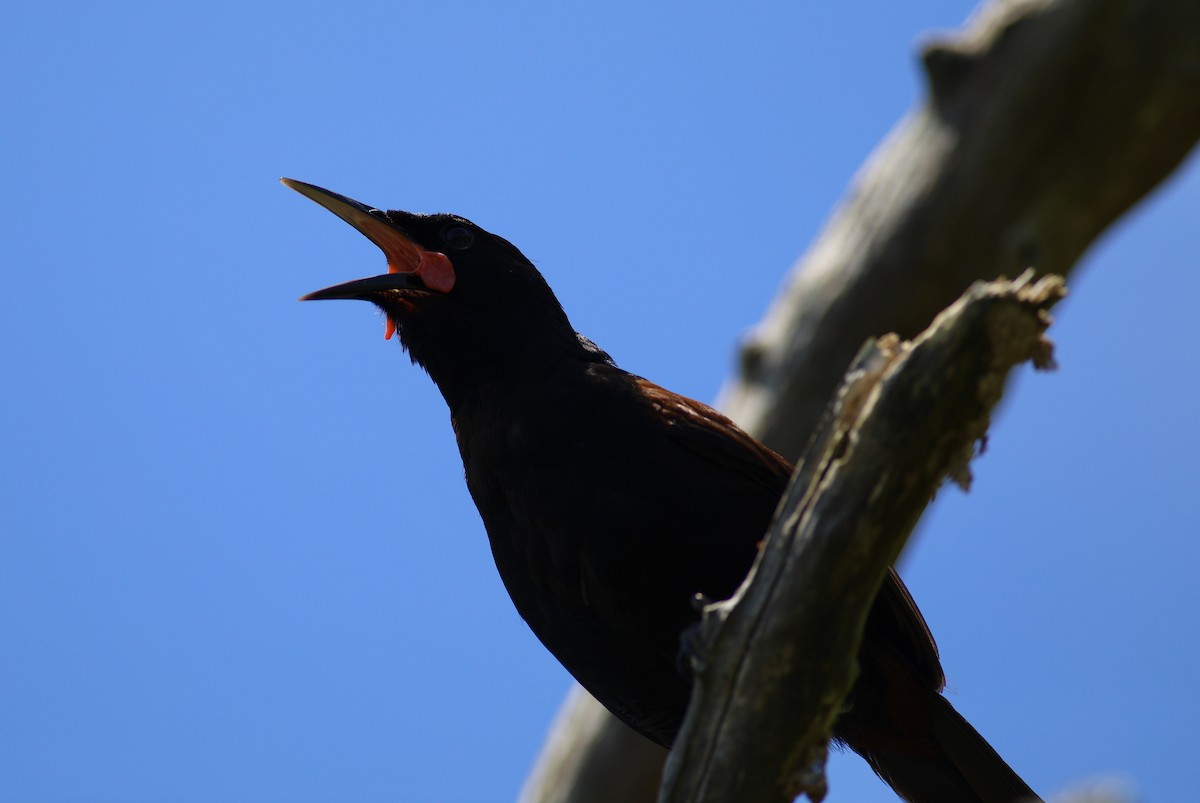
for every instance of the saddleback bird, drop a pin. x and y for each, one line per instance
(610, 502)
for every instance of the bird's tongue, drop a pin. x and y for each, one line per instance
(435, 271)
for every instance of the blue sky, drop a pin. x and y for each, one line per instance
(239, 559)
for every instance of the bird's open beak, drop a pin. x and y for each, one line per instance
(410, 267)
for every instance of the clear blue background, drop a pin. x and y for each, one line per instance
(239, 562)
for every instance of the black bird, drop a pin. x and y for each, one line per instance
(610, 502)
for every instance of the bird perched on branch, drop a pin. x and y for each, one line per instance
(610, 502)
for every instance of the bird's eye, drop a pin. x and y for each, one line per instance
(458, 237)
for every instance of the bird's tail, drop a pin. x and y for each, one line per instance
(951, 763)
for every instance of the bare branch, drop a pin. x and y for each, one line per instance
(1047, 120)
(909, 415)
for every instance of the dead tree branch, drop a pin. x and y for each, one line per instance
(1046, 120)
(909, 415)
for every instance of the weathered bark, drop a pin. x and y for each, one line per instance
(909, 415)
(1046, 120)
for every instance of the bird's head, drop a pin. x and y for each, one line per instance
(465, 302)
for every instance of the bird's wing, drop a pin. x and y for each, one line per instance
(895, 618)
(712, 436)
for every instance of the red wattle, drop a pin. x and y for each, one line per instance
(436, 271)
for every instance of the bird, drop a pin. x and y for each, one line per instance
(611, 503)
